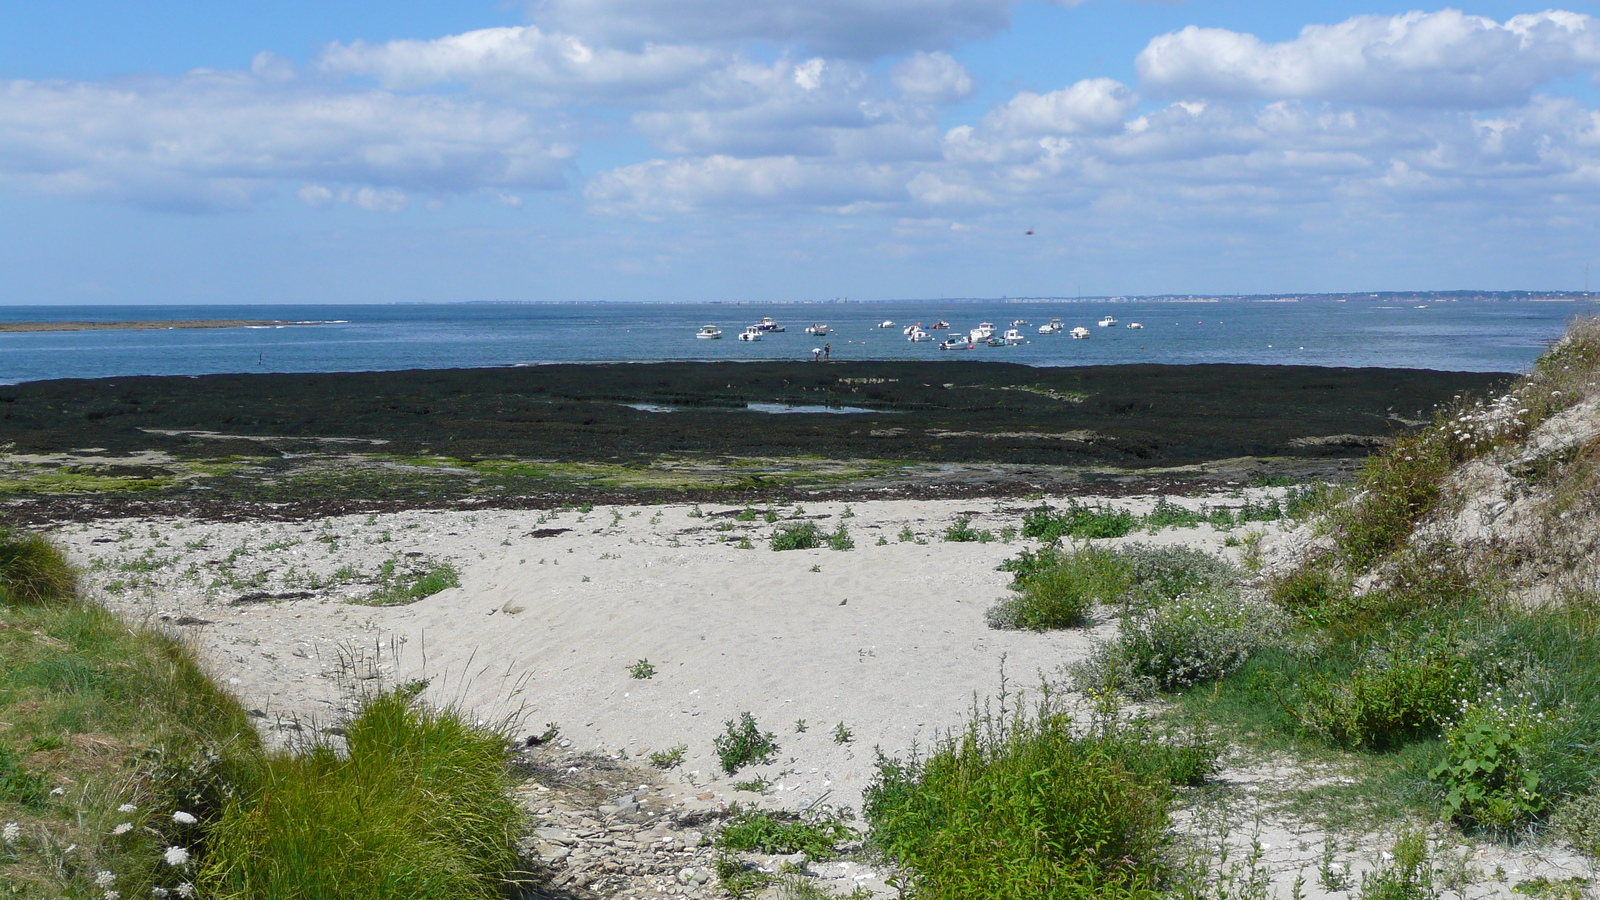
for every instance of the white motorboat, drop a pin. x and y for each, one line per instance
(1134, 325)
(1012, 336)
(708, 333)
(956, 342)
(816, 329)
(1053, 326)
(1107, 322)
(752, 333)
(917, 334)
(767, 324)
(940, 325)
(886, 323)
(982, 333)
(1016, 322)
(1079, 332)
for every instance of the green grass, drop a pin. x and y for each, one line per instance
(1060, 588)
(397, 587)
(1021, 804)
(798, 536)
(32, 571)
(817, 834)
(418, 805)
(1077, 521)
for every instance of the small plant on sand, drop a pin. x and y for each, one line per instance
(797, 536)
(800, 726)
(396, 587)
(817, 834)
(1193, 639)
(906, 535)
(743, 743)
(1076, 521)
(839, 539)
(842, 734)
(669, 758)
(757, 785)
(961, 532)
(642, 669)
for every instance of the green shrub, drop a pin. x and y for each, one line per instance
(1022, 807)
(840, 539)
(1077, 521)
(742, 743)
(1395, 489)
(1170, 515)
(418, 806)
(797, 536)
(1312, 590)
(397, 588)
(1489, 773)
(1192, 639)
(817, 834)
(1578, 823)
(669, 758)
(1159, 574)
(962, 532)
(33, 571)
(1410, 691)
(1060, 590)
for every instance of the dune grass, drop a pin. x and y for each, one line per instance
(124, 768)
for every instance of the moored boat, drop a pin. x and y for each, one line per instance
(1107, 321)
(1079, 332)
(708, 333)
(752, 333)
(1134, 325)
(814, 328)
(917, 334)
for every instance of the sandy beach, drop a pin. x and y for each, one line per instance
(837, 653)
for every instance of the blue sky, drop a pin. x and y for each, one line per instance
(234, 152)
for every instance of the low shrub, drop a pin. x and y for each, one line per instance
(743, 743)
(1060, 590)
(1023, 805)
(962, 532)
(1077, 521)
(817, 834)
(798, 536)
(1312, 590)
(1159, 574)
(418, 806)
(1489, 774)
(840, 539)
(397, 587)
(1192, 639)
(1578, 823)
(33, 571)
(1410, 690)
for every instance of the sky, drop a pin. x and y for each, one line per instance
(235, 151)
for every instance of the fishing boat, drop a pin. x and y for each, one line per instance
(768, 325)
(1012, 336)
(886, 323)
(917, 334)
(982, 333)
(940, 325)
(816, 329)
(956, 342)
(1134, 325)
(1107, 322)
(1079, 332)
(752, 333)
(1053, 326)
(708, 333)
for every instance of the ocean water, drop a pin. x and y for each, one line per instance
(1462, 336)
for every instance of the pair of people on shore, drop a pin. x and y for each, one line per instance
(823, 352)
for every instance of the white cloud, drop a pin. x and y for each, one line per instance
(524, 61)
(373, 200)
(1091, 105)
(724, 181)
(1443, 59)
(932, 78)
(849, 28)
(213, 140)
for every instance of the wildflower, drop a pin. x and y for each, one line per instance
(122, 828)
(113, 895)
(104, 879)
(159, 892)
(176, 856)
(183, 818)
(11, 832)
(58, 792)
(127, 808)
(184, 890)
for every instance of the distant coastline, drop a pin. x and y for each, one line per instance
(145, 325)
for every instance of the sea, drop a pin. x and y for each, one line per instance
(1463, 335)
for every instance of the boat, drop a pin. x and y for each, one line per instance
(767, 324)
(910, 328)
(1134, 325)
(708, 333)
(1079, 332)
(1107, 321)
(1016, 322)
(983, 332)
(752, 333)
(886, 323)
(917, 334)
(1053, 326)
(956, 342)
(1012, 336)
(940, 325)
(816, 329)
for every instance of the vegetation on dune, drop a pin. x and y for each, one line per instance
(125, 771)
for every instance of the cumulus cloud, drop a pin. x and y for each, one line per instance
(372, 200)
(219, 140)
(723, 181)
(522, 60)
(849, 28)
(1091, 105)
(1443, 59)
(932, 78)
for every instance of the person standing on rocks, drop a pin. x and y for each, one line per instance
(827, 351)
